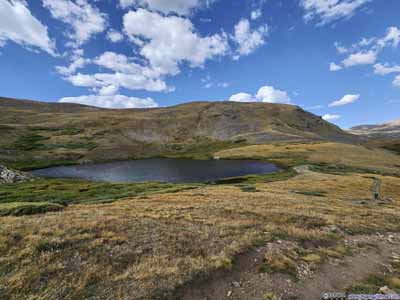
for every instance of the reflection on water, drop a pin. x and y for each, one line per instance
(160, 169)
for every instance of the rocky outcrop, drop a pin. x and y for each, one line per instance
(11, 176)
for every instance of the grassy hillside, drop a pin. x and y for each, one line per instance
(325, 155)
(72, 239)
(268, 234)
(150, 248)
(37, 134)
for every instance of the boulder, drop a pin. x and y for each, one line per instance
(10, 176)
(386, 291)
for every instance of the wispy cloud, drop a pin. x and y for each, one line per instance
(328, 11)
(329, 117)
(347, 99)
(17, 24)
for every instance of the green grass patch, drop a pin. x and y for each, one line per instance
(311, 193)
(64, 191)
(340, 170)
(370, 286)
(5, 127)
(29, 165)
(248, 188)
(71, 131)
(200, 150)
(27, 208)
(252, 179)
(393, 147)
(29, 142)
(59, 131)
(70, 146)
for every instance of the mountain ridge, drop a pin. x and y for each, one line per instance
(385, 130)
(40, 131)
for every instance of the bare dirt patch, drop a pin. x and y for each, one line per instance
(245, 281)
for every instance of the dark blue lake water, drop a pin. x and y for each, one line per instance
(160, 169)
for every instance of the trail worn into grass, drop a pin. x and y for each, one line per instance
(376, 189)
(245, 281)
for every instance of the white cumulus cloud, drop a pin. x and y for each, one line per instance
(268, 94)
(396, 81)
(248, 40)
(347, 99)
(384, 69)
(272, 95)
(167, 41)
(114, 101)
(121, 63)
(242, 97)
(124, 73)
(77, 63)
(360, 58)
(330, 117)
(392, 38)
(256, 14)
(108, 90)
(334, 67)
(17, 24)
(114, 36)
(84, 19)
(367, 50)
(123, 80)
(180, 7)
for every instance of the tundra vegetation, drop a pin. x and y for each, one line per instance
(151, 242)
(72, 239)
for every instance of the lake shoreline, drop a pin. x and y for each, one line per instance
(172, 170)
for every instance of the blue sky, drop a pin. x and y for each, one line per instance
(336, 58)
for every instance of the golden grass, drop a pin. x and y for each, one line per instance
(145, 248)
(355, 156)
(395, 282)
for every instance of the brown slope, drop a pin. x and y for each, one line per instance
(52, 131)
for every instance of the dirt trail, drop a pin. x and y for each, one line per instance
(245, 281)
(376, 190)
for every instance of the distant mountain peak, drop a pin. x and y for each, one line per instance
(393, 123)
(389, 130)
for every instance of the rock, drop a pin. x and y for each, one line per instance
(391, 239)
(333, 228)
(236, 284)
(85, 162)
(290, 296)
(11, 176)
(385, 290)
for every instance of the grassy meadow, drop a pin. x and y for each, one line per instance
(343, 157)
(147, 241)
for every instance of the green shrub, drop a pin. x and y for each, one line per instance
(29, 142)
(23, 208)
